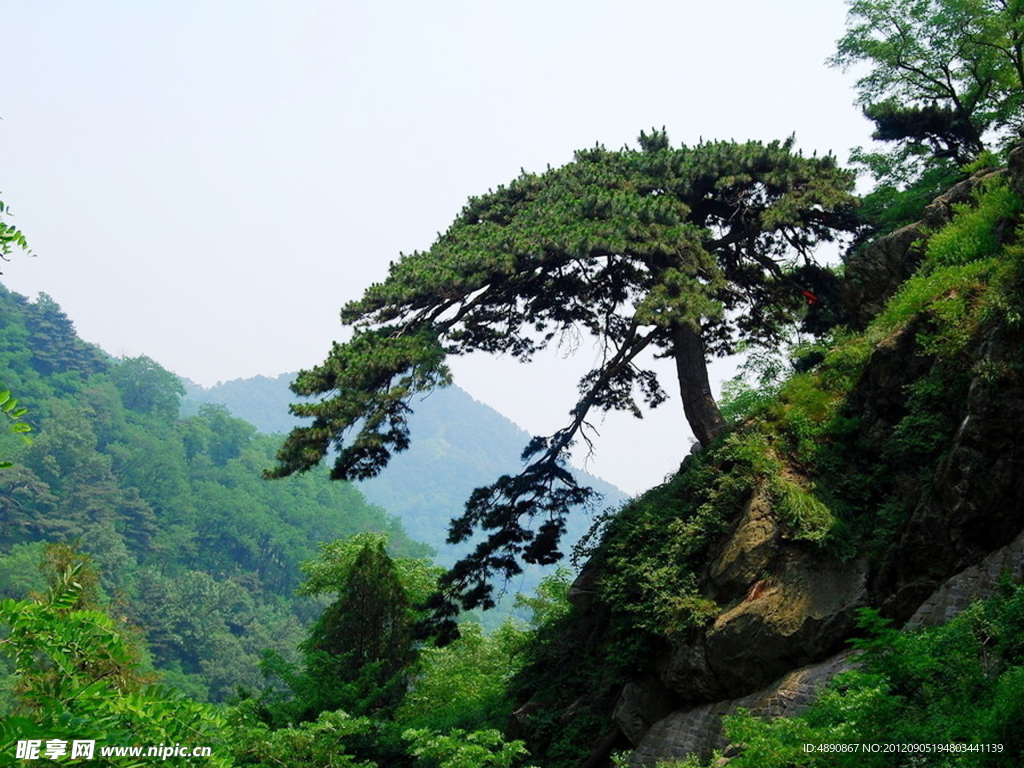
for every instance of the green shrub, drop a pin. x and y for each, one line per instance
(927, 428)
(919, 293)
(958, 277)
(960, 684)
(1007, 302)
(78, 677)
(656, 546)
(464, 749)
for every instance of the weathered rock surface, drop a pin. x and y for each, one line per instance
(880, 397)
(747, 553)
(583, 590)
(798, 616)
(876, 272)
(803, 613)
(975, 503)
(687, 673)
(971, 584)
(783, 608)
(700, 729)
(641, 705)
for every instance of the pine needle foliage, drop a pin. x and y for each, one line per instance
(675, 251)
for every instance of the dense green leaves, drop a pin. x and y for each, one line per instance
(368, 628)
(944, 76)
(464, 684)
(336, 562)
(9, 407)
(319, 743)
(199, 550)
(374, 375)
(77, 678)
(462, 749)
(147, 387)
(358, 653)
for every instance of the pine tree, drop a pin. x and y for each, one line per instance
(359, 649)
(680, 252)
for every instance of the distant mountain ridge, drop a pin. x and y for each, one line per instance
(458, 444)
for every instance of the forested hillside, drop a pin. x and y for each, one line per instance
(192, 545)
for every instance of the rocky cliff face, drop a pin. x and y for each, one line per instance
(787, 612)
(698, 730)
(785, 609)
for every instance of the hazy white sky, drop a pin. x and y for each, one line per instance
(208, 182)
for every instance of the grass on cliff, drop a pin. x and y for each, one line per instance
(654, 548)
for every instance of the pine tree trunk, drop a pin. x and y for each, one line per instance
(699, 405)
